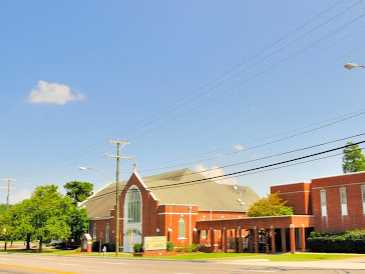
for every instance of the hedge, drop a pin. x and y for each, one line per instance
(110, 247)
(346, 242)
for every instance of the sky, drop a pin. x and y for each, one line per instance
(195, 84)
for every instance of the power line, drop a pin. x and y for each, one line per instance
(264, 58)
(288, 137)
(335, 31)
(275, 168)
(284, 37)
(246, 171)
(261, 167)
(272, 155)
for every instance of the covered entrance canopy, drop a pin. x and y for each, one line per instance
(254, 234)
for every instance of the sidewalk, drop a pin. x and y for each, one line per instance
(350, 264)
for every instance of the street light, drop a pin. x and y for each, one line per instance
(351, 66)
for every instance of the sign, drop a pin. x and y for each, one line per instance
(155, 243)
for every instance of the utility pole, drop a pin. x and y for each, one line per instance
(119, 145)
(8, 182)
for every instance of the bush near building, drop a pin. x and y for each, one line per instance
(346, 242)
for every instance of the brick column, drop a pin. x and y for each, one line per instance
(224, 236)
(272, 237)
(212, 239)
(195, 236)
(239, 232)
(255, 240)
(238, 239)
(302, 238)
(267, 239)
(198, 236)
(283, 239)
(292, 238)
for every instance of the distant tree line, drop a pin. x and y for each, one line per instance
(47, 215)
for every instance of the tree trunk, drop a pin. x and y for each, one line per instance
(28, 242)
(40, 245)
(6, 245)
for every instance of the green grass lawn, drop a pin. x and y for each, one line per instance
(198, 256)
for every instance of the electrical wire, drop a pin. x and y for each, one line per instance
(246, 171)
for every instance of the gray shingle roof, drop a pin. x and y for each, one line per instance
(208, 195)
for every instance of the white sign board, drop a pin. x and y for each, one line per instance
(155, 243)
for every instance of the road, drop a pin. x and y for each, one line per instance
(30, 264)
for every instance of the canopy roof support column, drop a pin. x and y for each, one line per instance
(292, 239)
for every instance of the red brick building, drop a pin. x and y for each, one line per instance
(329, 204)
(214, 215)
(157, 206)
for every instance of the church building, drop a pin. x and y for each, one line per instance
(168, 204)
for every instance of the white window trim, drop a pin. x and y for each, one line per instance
(343, 204)
(324, 212)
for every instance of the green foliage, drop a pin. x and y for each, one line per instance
(79, 191)
(3, 209)
(46, 216)
(138, 248)
(348, 242)
(79, 223)
(272, 205)
(170, 246)
(353, 159)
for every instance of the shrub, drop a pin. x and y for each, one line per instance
(110, 247)
(347, 242)
(96, 247)
(138, 248)
(170, 246)
(192, 248)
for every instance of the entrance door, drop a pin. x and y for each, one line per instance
(132, 219)
(132, 237)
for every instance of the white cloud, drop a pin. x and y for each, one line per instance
(238, 147)
(215, 171)
(53, 93)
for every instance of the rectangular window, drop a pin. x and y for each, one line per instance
(363, 198)
(107, 231)
(343, 201)
(182, 228)
(323, 198)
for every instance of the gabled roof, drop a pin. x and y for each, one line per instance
(207, 195)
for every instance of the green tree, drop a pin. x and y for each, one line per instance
(79, 223)
(5, 228)
(21, 215)
(3, 209)
(272, 205)
(353, 159)
(79, 191)
(49, 214)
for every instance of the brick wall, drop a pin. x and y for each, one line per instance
(335, 222)
(298, 196)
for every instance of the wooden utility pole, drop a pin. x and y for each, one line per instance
(119, 145)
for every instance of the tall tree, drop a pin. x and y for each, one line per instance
(353, 159)
(50, 213)
(79, 191)
(272, 205)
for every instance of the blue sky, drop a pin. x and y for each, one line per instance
(178, 79)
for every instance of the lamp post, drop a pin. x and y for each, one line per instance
(351, 66)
